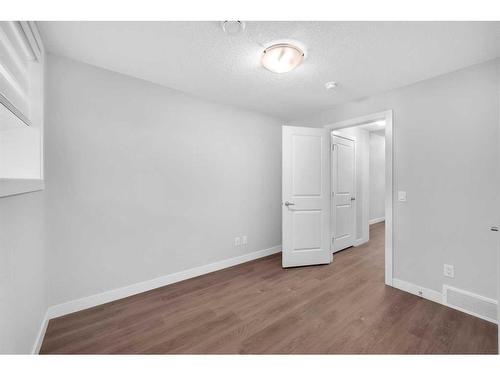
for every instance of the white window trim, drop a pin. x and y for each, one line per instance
(15, 186)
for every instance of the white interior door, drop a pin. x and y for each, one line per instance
(343, 198)
(306, 196)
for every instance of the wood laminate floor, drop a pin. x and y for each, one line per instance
(258, 307)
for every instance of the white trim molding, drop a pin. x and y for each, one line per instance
(376, 220)
(441, 298)
(144, 286)
(130, 290)
(417, 290)
(14, 186)
(41, 334)
(360, 241)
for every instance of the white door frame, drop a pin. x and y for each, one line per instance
(389, 182)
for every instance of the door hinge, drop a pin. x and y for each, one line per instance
(333, 239)
(333, 147)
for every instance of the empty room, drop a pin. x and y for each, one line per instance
(249, 187)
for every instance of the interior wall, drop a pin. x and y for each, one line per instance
(19, 148)
(144, 181)
(362, 160)
(23, 298)
(445, 155)
(377, 175)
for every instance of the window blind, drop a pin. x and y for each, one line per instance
(16, 53)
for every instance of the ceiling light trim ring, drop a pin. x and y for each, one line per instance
(284, 45)
(282, 57)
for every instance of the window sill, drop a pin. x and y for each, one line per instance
(15, 186)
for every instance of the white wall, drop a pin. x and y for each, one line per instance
(22, 272)
(143, 181)
(362, 159)
(446, 142)
(377, 175)
(19, 147)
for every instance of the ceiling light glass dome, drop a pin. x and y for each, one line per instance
(282, 58)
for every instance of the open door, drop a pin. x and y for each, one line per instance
(343, 182)
(306, 196)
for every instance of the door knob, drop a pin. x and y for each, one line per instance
(494, 229)
(353, 198)
(289, 204)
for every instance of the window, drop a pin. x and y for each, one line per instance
(21, 108)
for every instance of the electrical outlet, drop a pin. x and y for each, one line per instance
(449, 271)
(244, 240)
(237, 241)
(402, 196)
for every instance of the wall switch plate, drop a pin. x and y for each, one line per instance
(244, 240)
(449, 271)
(237, 241)
(402, 196)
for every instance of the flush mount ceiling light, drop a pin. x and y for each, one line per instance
(282, 58)
(330, 85)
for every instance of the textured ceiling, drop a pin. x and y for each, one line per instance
(365, 58)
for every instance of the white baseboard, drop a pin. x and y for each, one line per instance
(127, 291)
(376, 220)
(115, 294)
(41, 334)
(429, 294)
(440, 298)
(360, 241)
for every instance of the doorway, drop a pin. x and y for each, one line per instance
(373, 199)
(309, 230)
